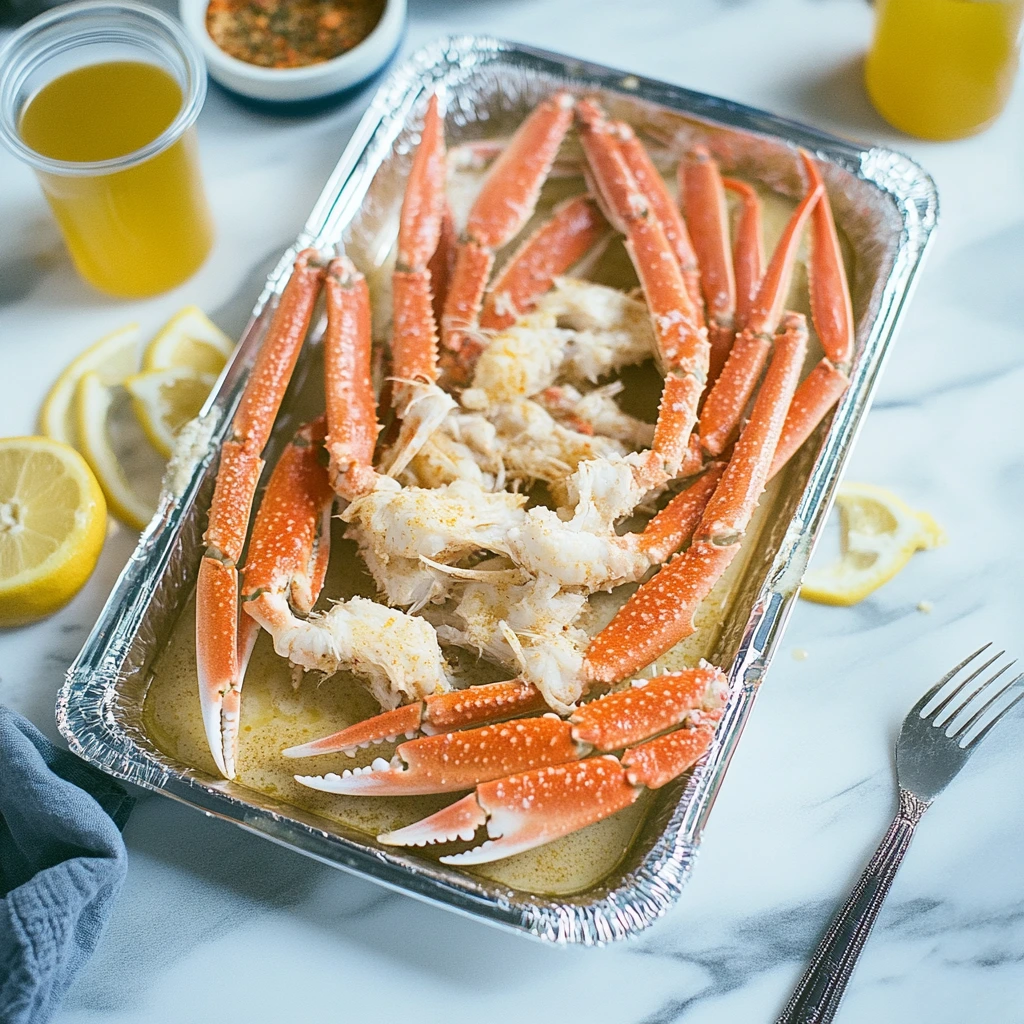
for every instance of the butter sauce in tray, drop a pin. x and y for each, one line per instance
(496, 557)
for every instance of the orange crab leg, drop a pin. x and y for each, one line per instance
(414, 338)
(438, 713)
(219, 647)
(549, 801)
(831, 308)
(748, 248)
(658, 762)
(574, 228)
(660, 613)
(817, 393)
(351, 403)
(453, 761)
(724, 405)
(683, 345)
(525, 810)
(652, 185)
(456, 761)
(703, 197)
(499, 213)
(442, 263)
(290, 543)
(670, 529)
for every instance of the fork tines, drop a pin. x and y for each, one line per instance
(955, 704)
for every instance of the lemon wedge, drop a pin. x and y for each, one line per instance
(191, 340)
(112, 358)
(52, 524)
(94, 403)
(165, 400)
(878, 534)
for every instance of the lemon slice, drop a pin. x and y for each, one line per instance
(165, 400)
(93, 403)
(114, 357)
(189, 339)
(52, 524)
(878, 534)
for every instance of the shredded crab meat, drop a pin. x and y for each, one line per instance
(579, 333)
(396, 527)
(529, 629)
(422, 408)
(396, 654)
(596, 412)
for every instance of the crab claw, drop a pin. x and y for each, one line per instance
(438, 713)
(385, 728)
(526, 810)
(457, 760)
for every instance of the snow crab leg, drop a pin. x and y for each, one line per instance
(830, 308)
(682, 342)
(501, 209)
(660, 613)
(703, 198)
(446, 762)
(652, 185)
(573, 230)
(219, 651)
(559, 793)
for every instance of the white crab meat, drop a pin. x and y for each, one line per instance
(578, 333)
(396, 654)
(598, 412)
(518, 362)
(575, 557)
(422, 409)
(535, 446)
(529, 628)
(397, 527)
(464, 447)
(608, 328)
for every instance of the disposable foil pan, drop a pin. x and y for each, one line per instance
(884, 204)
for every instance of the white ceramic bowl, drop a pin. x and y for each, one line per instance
(297, 85)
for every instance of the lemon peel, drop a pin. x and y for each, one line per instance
(189, 339)
(879, 532)
(165, 400)
(113, 358)
(53, 521)
(93, 403)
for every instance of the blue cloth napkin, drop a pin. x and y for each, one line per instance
(62, 862)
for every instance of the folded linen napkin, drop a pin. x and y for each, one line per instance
(62, 861)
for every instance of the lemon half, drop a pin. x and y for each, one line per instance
(878, 534)
(53, 520)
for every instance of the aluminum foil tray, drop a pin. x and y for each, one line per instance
(884, 204)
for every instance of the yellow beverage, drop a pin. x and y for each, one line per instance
(132, 231)
(943, 69)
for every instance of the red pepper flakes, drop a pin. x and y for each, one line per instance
(290, 33)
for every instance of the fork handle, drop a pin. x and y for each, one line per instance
(817, 997)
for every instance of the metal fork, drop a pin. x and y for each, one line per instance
(930, 751)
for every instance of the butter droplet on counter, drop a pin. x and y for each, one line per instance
(800, 654)
(925, 606)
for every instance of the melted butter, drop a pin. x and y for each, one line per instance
(275, 715)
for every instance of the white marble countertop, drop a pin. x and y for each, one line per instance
(215, 924)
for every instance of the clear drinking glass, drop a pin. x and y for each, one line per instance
(135, 221)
